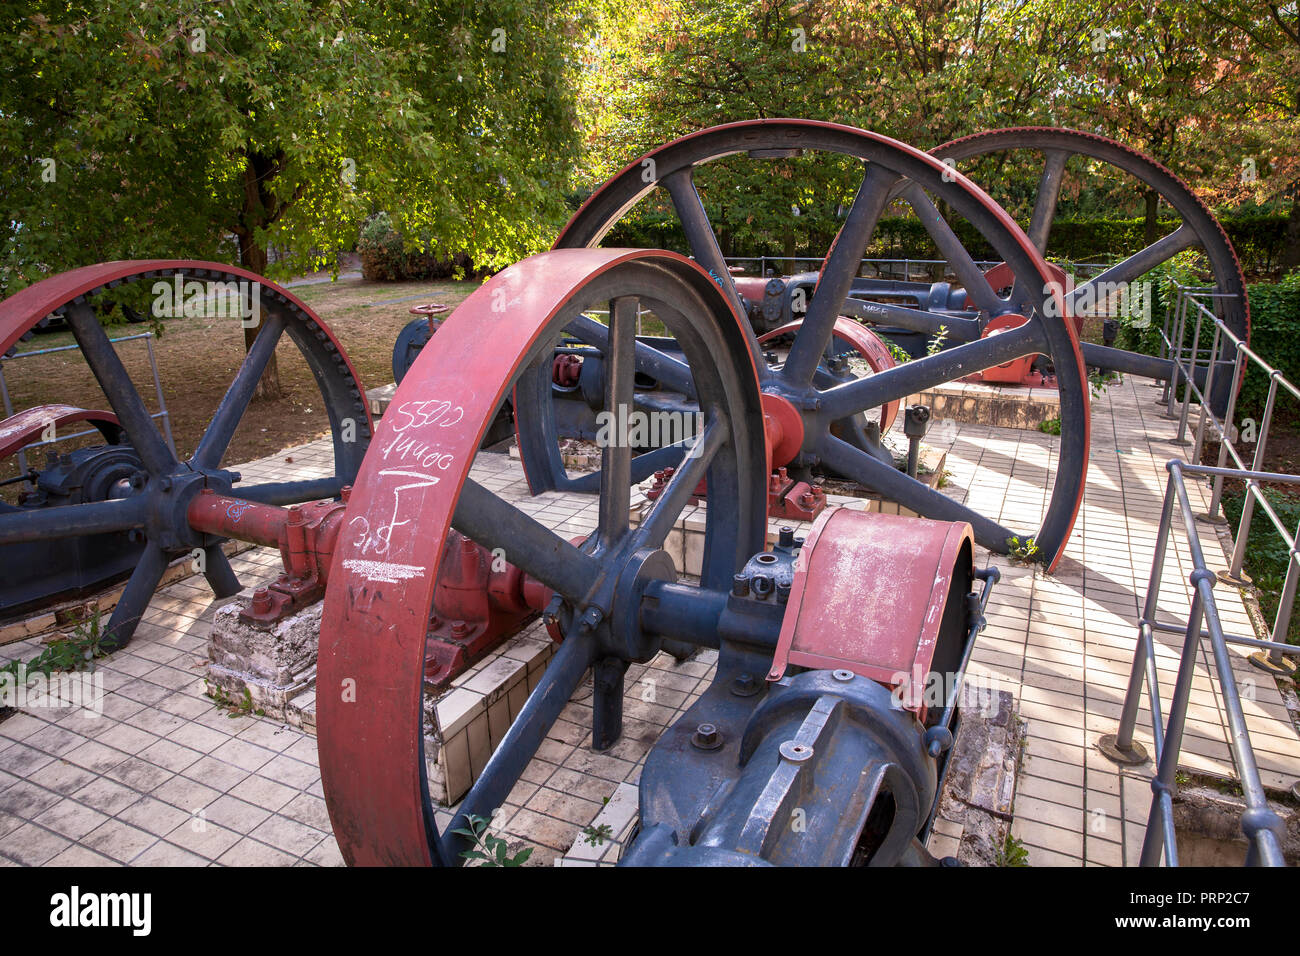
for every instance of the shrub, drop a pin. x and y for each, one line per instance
(380, 247)
(384, 257)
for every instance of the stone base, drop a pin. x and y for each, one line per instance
(976, 806)
(466, 721)
(273, 665)
(1007, 406)
(378, 398)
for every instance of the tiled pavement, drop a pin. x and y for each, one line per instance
(165, 777)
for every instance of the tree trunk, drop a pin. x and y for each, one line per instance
(1291, 238)
(1152, 227)
(253, 258)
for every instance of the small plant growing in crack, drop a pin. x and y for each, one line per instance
(1011, 853)
(488, 850)
(1025, 551)
(936, 344)
(242, 707)
(76, 651)
(596, 836)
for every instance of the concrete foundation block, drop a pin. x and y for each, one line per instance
(275, 665)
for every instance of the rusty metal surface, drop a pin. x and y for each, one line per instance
(381, 586)
(869, 595)
(21, 429)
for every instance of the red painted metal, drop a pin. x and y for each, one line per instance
(481, 599)
(868, 596)
(752, 288)
(304, 534)
(566, 370)
(783, 429)
(868, 345)
(20, 430)
(1016, 372)
(793, 500)
(369, 688)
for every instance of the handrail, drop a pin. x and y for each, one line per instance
(1264, 829)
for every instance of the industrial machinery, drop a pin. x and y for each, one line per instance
(816, 741)
(979, 304)
(102, 511)
(814, 715)
(818, 418)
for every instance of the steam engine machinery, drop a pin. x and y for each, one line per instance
(816, 710)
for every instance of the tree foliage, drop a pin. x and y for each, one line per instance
(223, 127)
(1208, 89)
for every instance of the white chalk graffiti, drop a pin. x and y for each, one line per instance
(378, 540)
(383, 571)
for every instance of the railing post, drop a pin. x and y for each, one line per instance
(1121, 748)
(1229, 427)
(1181, 437)
(1252, 487)
(1282, 623)
(1166, 345)
(1199, 445)
(1180, 330)
(162, 402)
(1165, 783)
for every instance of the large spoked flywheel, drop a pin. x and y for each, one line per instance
(1057, 150)
(383, 580)
(798, 390)
(147, 494)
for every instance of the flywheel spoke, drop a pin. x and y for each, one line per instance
(1138, 264)
(655, 528)
(663, 368)
(910, 493)
(699, 232)
(526, 543)
(554, 688)
(135, 597)
(837, 274)
(616, 455)
(216, 438)
(122, 395)
(947, 366)
(1049, 191)
(950, 247)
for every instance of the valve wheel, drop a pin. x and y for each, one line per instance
(380, 591)
(156, 505)
(1198, 227)
(892, 169)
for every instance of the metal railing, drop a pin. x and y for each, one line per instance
(1190, 316)
(1228, 354)
(162, 413)
(1263, 828)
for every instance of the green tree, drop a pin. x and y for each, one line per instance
(230, 127)
(1262, 56)
(923, 73)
